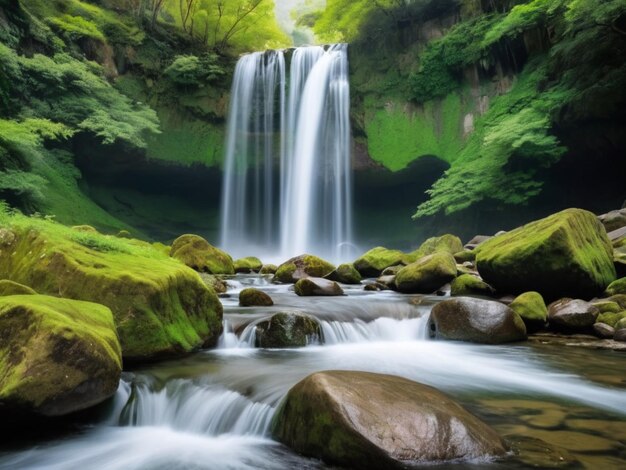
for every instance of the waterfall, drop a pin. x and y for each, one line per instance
(287, 174)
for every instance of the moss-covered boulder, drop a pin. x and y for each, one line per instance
(619, 299)
(465, 256)
(316, 286)
(346, 274)
(607, 306)
(610, 318)
(467, 284)
(566, 254)
(372, 263)
(476, 321)
(124, 234)
(161, 307)
(197, 253)
(449, 243)
(427, 274)
(572, 314)
(374, 421)
(531, 307)
(287, 330)
(268, 269)
(254, 298)
(302, 266)
(617, 287)
(14, 288)
(57, 356)
(220, 286)
(248, 265)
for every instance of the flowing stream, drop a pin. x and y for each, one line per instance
(287, 174)
(213, 410)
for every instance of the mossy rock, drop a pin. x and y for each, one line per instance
(84, 228)
(531, 307)
(373, 421)
(566, 254)
(316, 286)
(619, 299)
(57, 356)
(617, 287)
(124, 234)
(302, 266)
(220, 286)
(287, 330)
(611, 319)
(607, 306)
(467, 284)
(465, 256)
(248, 265)
(448, 243)
(197, 253)
(161, 307)
(346, 274)
(372, 263)
(254, 298)
(14, 288)
(268, 269)
(427, 274)
(621, 324)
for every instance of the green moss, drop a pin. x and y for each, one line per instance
(346, 273)
(248, 265)
(467, 284)
(13, 288)
(427, 274)
(195, 252)
(287, 330)
(607, 306)
(611, 319)
(303, 266)
(532, 309)
(254, 298)
(448, 243)
(617, 287)
(373, 262)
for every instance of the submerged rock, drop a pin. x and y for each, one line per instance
(14, 288)
(57, 356)
(532, 309)
(540, 454)
(372, 421)
(346, 274)
(197, 253)
(467, 284)
(476, 321)
(254, 298)
(302, 266)
(427, 274)
(287, 330)
(317, 286)
(248, 265)
(372, 263)
(566, 254)
(572, 314)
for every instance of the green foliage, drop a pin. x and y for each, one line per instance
(190, 70)
(434, 79)
(77, 27)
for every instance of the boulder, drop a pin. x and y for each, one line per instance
(302, 266)
(248, 265)
(619, 299)
(57, 356)
(607, 306)
(467, 284)
(621, 324)
(14, 288)
(572, 314)
(532, 309)
(254, 298)
(604, 331)
(389, 282)
(465, 256)
(620, 335)
(610, 318)
(268, 269)
(373, 421)
(566, 254)
(392, 270)
(161, 307)
(613, 220)
(316, 286)
(372, 263)
(427, 274)
(372, 287)
(346, 274)
(476, 321)
(450, 244)
(477, 240)
(617, 287)
(287, 330)
(197, 253)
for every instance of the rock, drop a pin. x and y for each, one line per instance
(346, 274)
(302, 266)
(13, 288)
(610, 318)
(373, 421)
(372, 263)
(389, 282)
(269, 269)
(218, 285)
(427, 274)
(124, 234)
(248, 265)
(57, 356)
(287, 330)
(617, 287)
(316, 286)
(568, 314)
(372, 287)
(197, 253)
(566, 254)
(619, 299)
(607, 306)
(602, 330)
(476, 321)
(613, 220)
(161, 308)
(392, 270)
(477, 240)
(621, 323)
(620, 335)
(450, 244)
(536, 453)
(532, 309)
(467, 284)
(465, 256)
(254, 298)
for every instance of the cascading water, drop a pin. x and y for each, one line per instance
(287, 176)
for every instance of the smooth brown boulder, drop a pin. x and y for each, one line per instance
(572, 314)
(316, 286)
(373, 421)
(254, 298)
